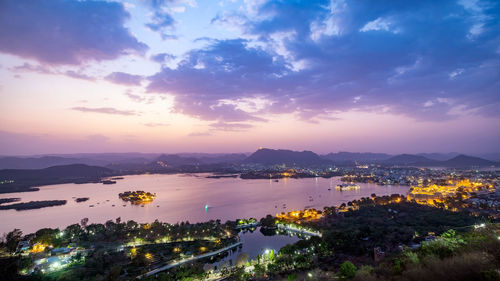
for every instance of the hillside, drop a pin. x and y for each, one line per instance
(25, 179)
(267, 156)
(468, 161)
(409, 159)
(344, 157)
(460, 161)
(12, 162)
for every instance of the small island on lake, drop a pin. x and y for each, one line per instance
(81, 199)
(33, 205)
(137, 197)
(9, 200)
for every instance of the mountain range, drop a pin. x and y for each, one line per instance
(265, 156)
(141, 162)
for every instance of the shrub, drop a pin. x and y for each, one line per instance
(347, 270)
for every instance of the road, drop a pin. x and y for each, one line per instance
(177, 263)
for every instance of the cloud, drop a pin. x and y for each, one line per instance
(124, 78)
(199, 134)
(134, 97)
(233, 70)
(97, 138)
(41, 69)
(161, 18)
(379, 24)
(232, 127)
(62, 32)
(313, 58)
(153, 125)
(162, 57)
(78, 75)
(105, 110)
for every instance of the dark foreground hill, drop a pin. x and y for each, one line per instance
(267, 156)
(16, 180)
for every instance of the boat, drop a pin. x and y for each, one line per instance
(347, 186)
(108, 182)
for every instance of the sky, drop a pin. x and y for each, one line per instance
(234, 75)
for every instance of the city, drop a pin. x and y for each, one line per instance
(249, 140)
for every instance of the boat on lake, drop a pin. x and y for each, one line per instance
(347, 186)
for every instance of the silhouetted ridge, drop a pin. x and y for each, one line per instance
(342, 157)
(73, 171)
(468, 161)
(267, 156)
(409, 159)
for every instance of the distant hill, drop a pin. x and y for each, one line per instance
(208, 158)
(267, 156)
(13, 162)
(24, 179)
(459, 161)
(490, 156)
(409, 159)
(344, 157)
(176, 160)
(439, 156)
(91, 159)
(468, 161)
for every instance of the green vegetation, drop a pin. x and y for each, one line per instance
(347, 270)
(375, 239)
(473, 255)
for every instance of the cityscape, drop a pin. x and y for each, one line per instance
(249, 140)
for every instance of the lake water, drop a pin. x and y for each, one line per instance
(181, 197)
(255, 243)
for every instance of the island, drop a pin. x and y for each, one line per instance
(108, 182)
(9, 200)
(33, 205)
(81, 199)
(137, 197)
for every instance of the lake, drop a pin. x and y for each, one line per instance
(182, 197)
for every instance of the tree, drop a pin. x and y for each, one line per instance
(84, 222)
(347, 270)
(12, 239)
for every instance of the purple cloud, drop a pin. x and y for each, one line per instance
(124, 78)
(161, 20)
(134, 97)
(26, 67)
(78, 75)
(162, 57)
(66, 32)
(232, 127)
(318, 58)
(199, 134)
(105, 110)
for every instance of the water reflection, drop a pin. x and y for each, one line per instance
(255, 242)
(181, 198)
